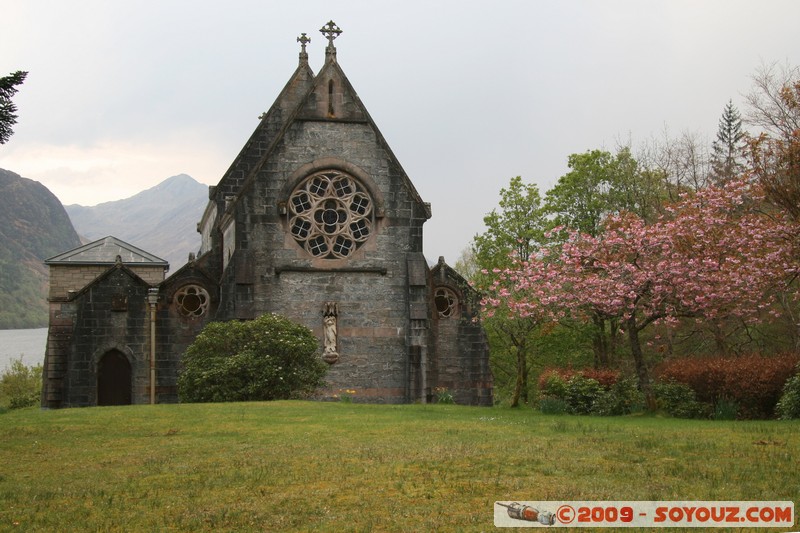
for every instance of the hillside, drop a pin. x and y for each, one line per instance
(33, 227)
(161, 220)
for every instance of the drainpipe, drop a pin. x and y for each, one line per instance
(152, 299)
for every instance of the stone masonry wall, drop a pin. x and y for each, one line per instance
(370, 287)
(102, 323)
(66, 278)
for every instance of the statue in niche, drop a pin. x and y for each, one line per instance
(330, 334)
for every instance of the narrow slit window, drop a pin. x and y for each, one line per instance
(330, 98)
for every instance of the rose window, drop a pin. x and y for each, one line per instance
(192, 301)
(330, 215)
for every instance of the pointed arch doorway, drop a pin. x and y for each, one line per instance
(113, 379)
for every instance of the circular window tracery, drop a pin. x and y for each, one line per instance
(192, 301)
(330, 214)
(446, 302)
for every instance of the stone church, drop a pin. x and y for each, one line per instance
(315, 220)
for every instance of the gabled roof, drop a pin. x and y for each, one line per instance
(105, 252)
(302, 100)
(270, 127)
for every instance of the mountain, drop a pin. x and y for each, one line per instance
(33, 227)
(161, 220)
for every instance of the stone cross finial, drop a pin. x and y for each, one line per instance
(331, 31)
(303, 40)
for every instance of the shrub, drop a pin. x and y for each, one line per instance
(788, 406)
(622, 398)
(581, 394)
(268, 358)
(20, 385)
(753, 382)
(605, 376)
(588, 391)
(679, 400)
(552, 385)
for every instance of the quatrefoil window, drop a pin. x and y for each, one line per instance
(446, 302)
(192, 300)
(330, 214)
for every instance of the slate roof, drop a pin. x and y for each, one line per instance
(105, 252)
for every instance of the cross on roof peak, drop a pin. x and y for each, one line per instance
(331, 31)
(303, 40)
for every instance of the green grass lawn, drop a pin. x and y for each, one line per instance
(305, 466)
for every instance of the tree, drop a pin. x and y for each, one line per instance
(683, 163)
(581, 198)
(772, 106)
(775, 154)
(8, 117)
(268, 358)
(729, 147)
(600, 185)
(714, 254)
(514, 233)
(517, 229)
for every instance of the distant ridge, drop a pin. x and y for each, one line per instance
(33, 227)
(161, 220)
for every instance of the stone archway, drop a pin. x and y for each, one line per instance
(114, 379)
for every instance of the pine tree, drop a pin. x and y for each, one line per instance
(8, 88)
(729, 146)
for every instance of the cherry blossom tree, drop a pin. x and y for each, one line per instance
(713, 254)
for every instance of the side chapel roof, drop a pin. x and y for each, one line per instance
(105, 251)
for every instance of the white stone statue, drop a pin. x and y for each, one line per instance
(330, 333)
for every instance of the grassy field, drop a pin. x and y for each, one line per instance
(303, 466)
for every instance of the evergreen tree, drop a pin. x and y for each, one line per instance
(8, 117)
(729, 146)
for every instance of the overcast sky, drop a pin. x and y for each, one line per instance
(122, 95)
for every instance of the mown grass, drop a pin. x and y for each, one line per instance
(305, 466)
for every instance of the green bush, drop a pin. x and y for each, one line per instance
(20, 385)
(553, 386)
(269, 358)
(622, 398)
(788, 406)
(581, 394)
(679, 400)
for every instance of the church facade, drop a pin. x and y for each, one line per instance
(315, 220)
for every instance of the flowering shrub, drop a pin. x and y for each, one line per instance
(345, 395)
(268, 358)
(443, 395)
(754, 383)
